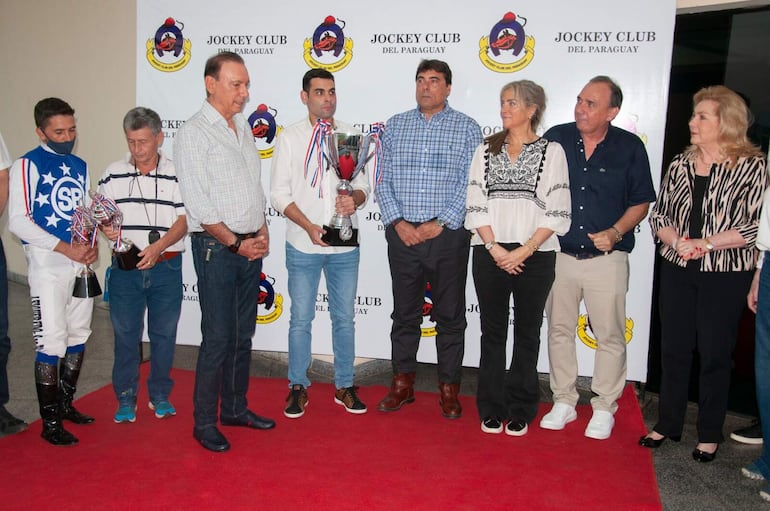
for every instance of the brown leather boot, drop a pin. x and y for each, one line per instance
(401, 393)
(450, 406)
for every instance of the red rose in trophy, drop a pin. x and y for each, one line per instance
(347, 154)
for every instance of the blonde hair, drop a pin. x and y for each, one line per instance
(531, 94)
(734, 120)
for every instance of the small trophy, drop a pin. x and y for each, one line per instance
(83, 232)
(106, 212)
(347, 154)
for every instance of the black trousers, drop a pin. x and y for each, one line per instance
(699, 312)
(515, 393)
(443, 261)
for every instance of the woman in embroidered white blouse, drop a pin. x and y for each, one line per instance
(518, 199)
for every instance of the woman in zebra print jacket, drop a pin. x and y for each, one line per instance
(706, 219)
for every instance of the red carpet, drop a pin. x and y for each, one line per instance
(409, 460)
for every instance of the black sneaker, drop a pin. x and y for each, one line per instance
(10, 424)
(492, 425)
(296, 402)
(751, 434)
(516, 427)
(348, 398)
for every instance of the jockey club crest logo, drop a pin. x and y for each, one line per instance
(428, 326)
(507, 48)
(264, 129)
(269, 301)
(169, 51)
(329, 48)
(586, 335)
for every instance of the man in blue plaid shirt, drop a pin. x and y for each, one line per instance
(427, 152)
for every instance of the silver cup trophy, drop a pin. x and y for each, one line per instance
(106, 212)
(83, 231)
(347, 154)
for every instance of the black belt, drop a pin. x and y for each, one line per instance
(584, 255)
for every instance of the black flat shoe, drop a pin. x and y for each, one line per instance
(651, 443)
(703, 456)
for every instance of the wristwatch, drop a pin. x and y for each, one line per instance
(235, 246)
(709, 245)
(441, 223)
(489, 244)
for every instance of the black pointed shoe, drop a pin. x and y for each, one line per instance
(651, 443)
(703, 456)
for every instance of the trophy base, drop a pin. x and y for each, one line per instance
(128, 259)
(332, 238)
(86, 286)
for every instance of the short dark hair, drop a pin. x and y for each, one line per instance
(616, 94)
(315, 73)
(214, 63)
(50, 107)
(438, 66)
(140, 117)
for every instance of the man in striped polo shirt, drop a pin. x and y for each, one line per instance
(145, 188)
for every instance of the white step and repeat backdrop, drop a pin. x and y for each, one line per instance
(373, 49)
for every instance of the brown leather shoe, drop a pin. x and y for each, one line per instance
(450, 406)
(401, 393)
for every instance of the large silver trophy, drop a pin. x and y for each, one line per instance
(83, 232)
(106, 212)
(347, 154)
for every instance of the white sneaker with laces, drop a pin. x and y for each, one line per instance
(600, 425)
(560, 415)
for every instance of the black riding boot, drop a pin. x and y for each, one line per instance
(68, 381)
(46, 382)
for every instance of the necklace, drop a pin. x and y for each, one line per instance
(154, 234)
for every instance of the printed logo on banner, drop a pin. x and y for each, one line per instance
(507, 48)
(168, 50)
(329, 48)
(586, 335)
(629, 123)
(265, 129)
(428, 327)
(270, 303)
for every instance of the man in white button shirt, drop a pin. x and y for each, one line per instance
(304, 190)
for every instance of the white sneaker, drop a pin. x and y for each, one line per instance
(600, 425)
(560, 415)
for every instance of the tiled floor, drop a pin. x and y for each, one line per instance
(684, 484)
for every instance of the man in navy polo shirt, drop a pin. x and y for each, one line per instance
(611, 188)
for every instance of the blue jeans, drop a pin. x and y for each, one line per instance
(228, 289)
(132, 292)
(5, 341)
(341, 273)
(762, 364)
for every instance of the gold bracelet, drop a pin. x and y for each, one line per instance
(618, 236)
(530, 244)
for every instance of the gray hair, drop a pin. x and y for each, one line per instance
(140, 117)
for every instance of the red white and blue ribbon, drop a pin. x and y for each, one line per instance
(375, 132)
(314, 153)
(105, 211)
